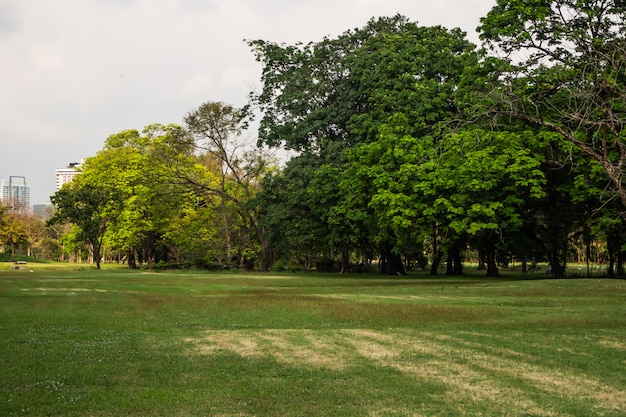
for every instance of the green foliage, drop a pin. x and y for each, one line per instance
(13, 233)
(341, 90)
(233, 176)
(336, 95)
(466, 183)
(293, 208)
(87, 204)
(570, 75)
(125, 195)
(412, 143)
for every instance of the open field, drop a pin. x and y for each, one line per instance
(119, 343)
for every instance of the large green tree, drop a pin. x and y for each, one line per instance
(470, 184)
(293, 209)
(567, 73)
(342, 89)
(124, 195)
(86, 204)
(333, 95)
(140, 168)
(13, 231)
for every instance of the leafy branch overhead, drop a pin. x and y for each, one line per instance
(567, 73)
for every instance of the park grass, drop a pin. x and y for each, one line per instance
(118, 343)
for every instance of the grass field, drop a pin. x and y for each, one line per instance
(123, 343)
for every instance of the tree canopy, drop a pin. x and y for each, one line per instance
(340, 90)
(567, 72)
(413, 147)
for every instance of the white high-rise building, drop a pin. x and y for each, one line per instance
(16, 194)
(65, 175)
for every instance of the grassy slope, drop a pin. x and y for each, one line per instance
(122, 343)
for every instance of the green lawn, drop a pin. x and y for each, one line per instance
(124, 343)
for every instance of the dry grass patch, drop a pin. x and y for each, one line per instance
(66, 291)
(613, 343)
(470, 372)
(295, 347)
(384, 411)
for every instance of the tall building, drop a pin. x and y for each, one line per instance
(16, 194)
(65, 175)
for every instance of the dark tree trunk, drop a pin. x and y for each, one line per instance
(610, 271)
(436, 261)
(449, 267)
(454, 262)
(395, 265)
(437, 253)
(95, 247)
(132, 262)
(391, 263)
(557, 258)
(490, 260)
(481, 260)
(455, 257)
(587, 239)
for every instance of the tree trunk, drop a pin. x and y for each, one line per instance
(96, 253)
(132, 262)
(481, 260)
(345, 258)
(391, 263)
(620, 272)
(557, 260)
(437, 254)
(395, 264)
(490, 258)
(436, 261)
(455, 262)
(587, 237)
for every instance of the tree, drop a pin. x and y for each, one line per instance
(140, 168)
(86, 205)
(123, 196)
(13, 232)
(334, 95)
(292, 213)
(567, 73)
(3, 223)
(341, 90)
(215, 130)
(468, 184)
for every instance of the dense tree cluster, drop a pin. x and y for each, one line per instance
(414, 148)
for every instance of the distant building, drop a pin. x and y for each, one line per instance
(65, 175)
(16, 194)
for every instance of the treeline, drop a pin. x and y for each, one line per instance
(413, 147)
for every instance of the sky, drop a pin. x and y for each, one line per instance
(74, 72)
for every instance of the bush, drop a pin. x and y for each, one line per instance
(279, 266)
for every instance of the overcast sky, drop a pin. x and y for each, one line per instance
(73, 72)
